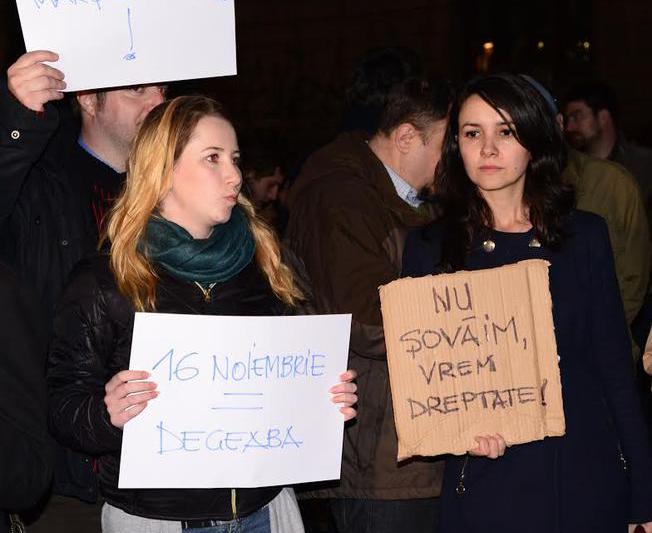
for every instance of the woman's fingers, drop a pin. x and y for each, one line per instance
(491, 446)
(343, 388)
(502, 445)
(345, 399)
(124, 376)
(121, 404)
(343, 394)
(349, 375)
(494, 450)
(133, 387)
(127, 395)
(123, 417)
(121, 411)
(345, 384)
(481, 449)
(348, 412)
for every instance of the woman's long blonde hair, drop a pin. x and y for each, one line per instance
(157, 147)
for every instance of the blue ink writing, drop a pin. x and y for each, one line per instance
(236, 408)
(131, 54)
(220, 440)
(268, 366)
(239, 407)
(182, 373)
(236, 395)
(226, 368)
(56, 3)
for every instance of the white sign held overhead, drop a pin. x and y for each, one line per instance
(243, 401)
(111, 43)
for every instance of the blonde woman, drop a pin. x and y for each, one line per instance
(181, 240)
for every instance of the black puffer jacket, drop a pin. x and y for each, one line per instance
(92, 342)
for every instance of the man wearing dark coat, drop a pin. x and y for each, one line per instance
(25, 448)
(350, 210)
(57, 181)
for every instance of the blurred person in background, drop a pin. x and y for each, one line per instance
(592, 124)
(264, 177)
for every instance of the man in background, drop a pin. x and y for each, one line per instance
(592, 126)
(264, 179)
(25, 448)
(350, 210)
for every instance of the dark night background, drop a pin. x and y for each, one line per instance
(295, 56)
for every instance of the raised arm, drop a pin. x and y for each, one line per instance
(26, 123)
(32, 82)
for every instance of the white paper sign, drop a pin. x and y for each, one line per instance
(110, 43)
(243, 401)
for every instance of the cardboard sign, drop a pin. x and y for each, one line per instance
(472, 354)
(243, 401)
(110, 43)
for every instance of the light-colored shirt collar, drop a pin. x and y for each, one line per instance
(405, 191)
(87, 148)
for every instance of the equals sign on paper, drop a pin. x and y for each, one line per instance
(242, 399)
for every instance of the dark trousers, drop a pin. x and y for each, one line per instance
(67, 515)
(385, 516)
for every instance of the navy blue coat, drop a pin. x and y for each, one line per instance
(598, 477)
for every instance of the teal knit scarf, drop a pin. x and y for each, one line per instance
(228, 250)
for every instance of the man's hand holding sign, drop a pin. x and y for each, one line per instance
(129, 42)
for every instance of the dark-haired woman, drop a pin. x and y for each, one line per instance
(504, 202)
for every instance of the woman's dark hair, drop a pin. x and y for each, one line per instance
(547, 197)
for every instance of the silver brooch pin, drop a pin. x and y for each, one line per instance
(534, 243)
(488, 246)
